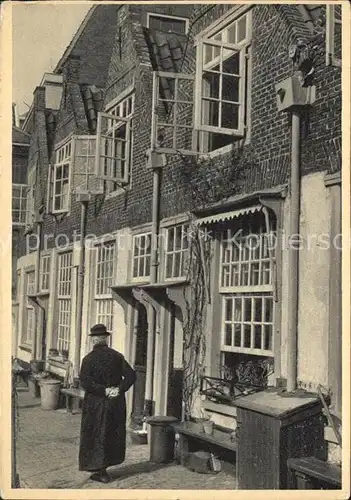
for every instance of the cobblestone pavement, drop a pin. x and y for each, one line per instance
(47, 457)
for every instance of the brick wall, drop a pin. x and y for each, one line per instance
(269, 148)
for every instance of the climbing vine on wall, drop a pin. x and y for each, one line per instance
(209, 180)
(194, 344)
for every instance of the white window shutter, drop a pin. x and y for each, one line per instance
(173, 113)
(112, 161)
(84, 179)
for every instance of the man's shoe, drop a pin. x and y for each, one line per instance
(100, 478)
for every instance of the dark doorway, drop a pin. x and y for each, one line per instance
(141, 332)
(175, 376)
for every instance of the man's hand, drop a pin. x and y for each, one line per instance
(112, 392)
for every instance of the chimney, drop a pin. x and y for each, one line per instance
(39, 99)
(15, 118)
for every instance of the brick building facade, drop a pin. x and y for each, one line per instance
(197, 302)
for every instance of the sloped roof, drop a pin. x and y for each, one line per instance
(166, 49)
(93, 43)
(20, 136)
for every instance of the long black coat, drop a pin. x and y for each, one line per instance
(103, 427)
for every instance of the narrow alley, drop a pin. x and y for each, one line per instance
(47, 450)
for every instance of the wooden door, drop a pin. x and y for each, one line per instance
(140, 365)
(175, 376)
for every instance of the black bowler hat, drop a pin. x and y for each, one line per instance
(98, 330)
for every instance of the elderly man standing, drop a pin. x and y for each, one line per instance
(105, 376)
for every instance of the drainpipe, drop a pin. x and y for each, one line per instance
(36, 339)
(293, 252)
(80, 289)
(148, 409)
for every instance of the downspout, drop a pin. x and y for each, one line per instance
(35, 343)
(80, 289)
(149, 403)
(294, 229)
(151, 339)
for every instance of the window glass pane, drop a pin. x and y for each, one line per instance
(268, 338)
(241, 29)
(211, 84)
(231, 64)
(230, 88)
(229, 310)
(230, 115)
(210, 112)
(247, 309)
(231, 33)
(237, 335)
(147, 266)
(228, 335)
(247, 336)
(258, 336)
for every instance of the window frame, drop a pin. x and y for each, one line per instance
(260, 292)
(139, 278)
(45, 272)
(30, 314)
(77, 187)
(22, 212)
(184, 252)
(63, 162)
(331, 60)
(243, 47)
(117, 182)
(104, 300)
(64, 300)
(165, 16)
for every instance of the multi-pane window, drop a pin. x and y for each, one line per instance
(141, 256)
(176, 251)
(104, 277)
(61, 180)
(246, 287)
(246, 260)
(333, 35)
(222, 79)
(28, 334)
(173, 113)
(114, 136)
(45, 273)
(64, 300)
(19, 204)
(84, 177)
(168, 24)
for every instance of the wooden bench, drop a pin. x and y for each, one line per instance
(193, 438)
(310, 473)
(73, 398)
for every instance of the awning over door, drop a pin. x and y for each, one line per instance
(226, 216)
